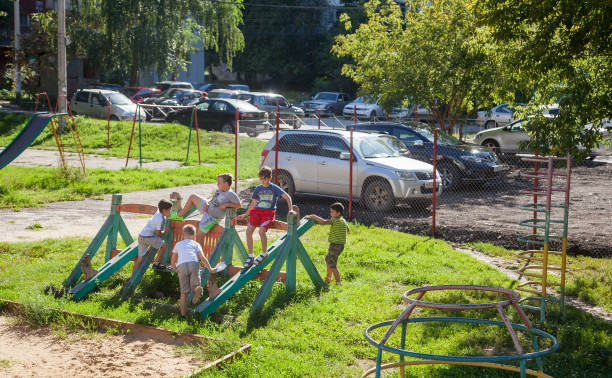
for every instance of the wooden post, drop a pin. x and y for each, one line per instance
(111, 241)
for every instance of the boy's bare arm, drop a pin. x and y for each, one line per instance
(251, 206)
(173, 261)
(204, 261)
(289, 203)
(318, 219)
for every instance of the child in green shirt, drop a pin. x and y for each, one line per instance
(337, 239)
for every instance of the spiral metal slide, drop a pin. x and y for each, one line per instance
(28, 134)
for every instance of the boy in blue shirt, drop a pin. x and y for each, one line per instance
(262, 212)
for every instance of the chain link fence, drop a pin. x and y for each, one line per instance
(478, 189)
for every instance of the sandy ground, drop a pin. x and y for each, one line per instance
(27, 351)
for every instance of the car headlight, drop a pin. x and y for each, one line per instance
(471, 158)
(406, 176)
(477, 136)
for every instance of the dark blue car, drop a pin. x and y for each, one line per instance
(457, 161)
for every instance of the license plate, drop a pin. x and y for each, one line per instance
(498, 168)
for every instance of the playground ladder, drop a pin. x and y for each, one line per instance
(549, 223)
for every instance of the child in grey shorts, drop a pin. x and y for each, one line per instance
(151, 234)
(185, 262)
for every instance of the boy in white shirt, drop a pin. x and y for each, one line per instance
(151, 234)
(184, 261)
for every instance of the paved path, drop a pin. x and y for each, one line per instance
(83, 218)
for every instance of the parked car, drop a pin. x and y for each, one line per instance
(94, 103)
(211, 86)
(165, 85)
(239, 87)
(423, 114)
(219, 114)
(499, 115)
(270, 102)
(363, 109)
(107, 86)
(317, 162)
(457, 161)
(223, 93)
(329, 103)
(171, 97)
(506, 139)
(139, 94)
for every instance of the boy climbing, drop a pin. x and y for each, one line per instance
(151, 234)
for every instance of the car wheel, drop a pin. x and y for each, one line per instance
(490, 124)
(227, 127)
(450, 176)
(285, 182)
(492, 145)
(252, 134)
(378, 196)
(114, 118)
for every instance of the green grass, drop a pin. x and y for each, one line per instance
(588, 278)
(318, 334)
(33, 186)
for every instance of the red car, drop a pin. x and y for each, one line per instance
(139, 94)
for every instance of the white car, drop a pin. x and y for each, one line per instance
(506, 139)
(500, 115)
(363, 109)
(317, 162)
(94, 103)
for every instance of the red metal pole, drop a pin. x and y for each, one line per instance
(131, 137)
(351, 179)
(195, 116)
(435, 187)
(108, 124)
(319, 118)
(276, 146)
(236, 152)
(354, 113)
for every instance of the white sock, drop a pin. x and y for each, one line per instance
(251, 255)
(264, 254)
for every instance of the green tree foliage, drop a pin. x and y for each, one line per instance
(564, 51)
(130, 36)
(430, 52)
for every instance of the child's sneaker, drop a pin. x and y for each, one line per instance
(338, 283)
(260, 259)
(197, 293)
(158, 266)
(173, 216)
(248, 263)
(328, 280)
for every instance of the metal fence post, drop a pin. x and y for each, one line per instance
(351, 179)
(237, 126)
(434, 190)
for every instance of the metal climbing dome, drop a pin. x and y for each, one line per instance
(550, 209)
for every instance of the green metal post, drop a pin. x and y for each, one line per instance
(140, 139)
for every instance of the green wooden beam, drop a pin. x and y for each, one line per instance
(137, 274)
(105, 271)
(125, 233)
(266, 287)
(91, 250)
(309, 266)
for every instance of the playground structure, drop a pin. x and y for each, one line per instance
(218, 244)
(549, 223)
(512, 299)
(32, 130)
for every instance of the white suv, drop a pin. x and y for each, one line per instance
(317, 162)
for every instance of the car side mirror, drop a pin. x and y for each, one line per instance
(345, 156)
(418, 143)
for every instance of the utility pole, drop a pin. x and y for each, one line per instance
(17, 49)
(62, 90)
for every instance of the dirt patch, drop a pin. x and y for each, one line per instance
(26, 351)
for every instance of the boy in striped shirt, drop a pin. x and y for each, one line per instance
(337, 239)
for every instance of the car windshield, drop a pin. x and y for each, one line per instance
(443, 137)
(129, 91)
(325, 96)
(375, 147)
(177, 94)
(395, 143)
(119, 99)
(169, 93)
